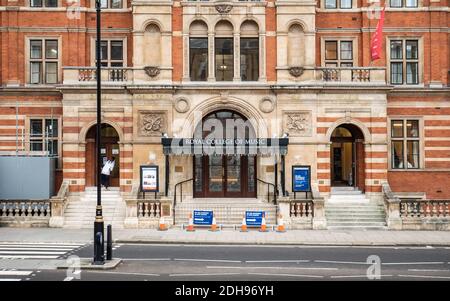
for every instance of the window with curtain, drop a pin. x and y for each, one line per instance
(43, 61)
(338, 53)
(405, 144)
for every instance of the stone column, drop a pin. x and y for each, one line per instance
(262, 57)
(186, 75)
(211, 60)
(237, 56)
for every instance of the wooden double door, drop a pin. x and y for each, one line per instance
(109, 149)
(225, 176)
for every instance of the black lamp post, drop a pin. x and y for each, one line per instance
(99, 245)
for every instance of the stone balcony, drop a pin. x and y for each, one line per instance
(153, 76)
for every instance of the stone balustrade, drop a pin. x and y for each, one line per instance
(146, 213)
(353, 75)
(425, 208)
(16, 213)
(415, 214)
(35, 213)
(301, 209)
(145, 75)
(304, 213)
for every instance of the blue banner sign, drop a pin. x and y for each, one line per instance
(301, 178)
(203, 217)
(253, 218)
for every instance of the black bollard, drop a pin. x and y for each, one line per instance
(109, 242)
(99, 258)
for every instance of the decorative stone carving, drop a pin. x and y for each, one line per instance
(296, 71)
(182, 105)
(224, 8)
(298, 123)
(152, 123)
(152, 71)
(267, 105)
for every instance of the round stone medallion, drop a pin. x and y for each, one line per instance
(267, 105)
(182, 105)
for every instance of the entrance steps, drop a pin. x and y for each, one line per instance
(80, 211)
(348, 208)
(228, 211)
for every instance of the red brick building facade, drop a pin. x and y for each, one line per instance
(39, 40)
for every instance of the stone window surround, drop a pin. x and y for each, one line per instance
(28, 38)
(388, 39)
(419, 4)
(60, 4)
(124, 6)
(59, 138)
(211, 52)
(421, 142)
(109, 38)
(354, 5)
(355, 47)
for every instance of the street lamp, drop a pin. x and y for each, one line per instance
(99, 251)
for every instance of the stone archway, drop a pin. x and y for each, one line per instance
(224, 102)
(109, 148)
(224, 173)
(347, 156)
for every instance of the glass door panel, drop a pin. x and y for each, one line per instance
(233, 173)
(251, 174)
(216, 174)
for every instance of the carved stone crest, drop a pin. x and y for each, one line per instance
(152, 123)
(296, 71)
(298, 123)
(224, 8)
(152, 71)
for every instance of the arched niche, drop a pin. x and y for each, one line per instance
(152, 45)
(296, 46)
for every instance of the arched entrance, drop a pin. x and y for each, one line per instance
(222, 173)
(347, 157)
(109, 148)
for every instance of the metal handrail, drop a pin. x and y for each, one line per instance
(181, 191)
(275, 192)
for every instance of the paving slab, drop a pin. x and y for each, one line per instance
(230, 236)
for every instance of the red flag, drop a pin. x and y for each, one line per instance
(376, 43)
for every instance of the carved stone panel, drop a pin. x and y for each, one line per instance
(297, 123)
(224, 8)
(152, 123)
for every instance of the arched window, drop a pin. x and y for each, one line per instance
(152, 45)
(224, 51)
(198, 51)
(296, 46)
(249, 51)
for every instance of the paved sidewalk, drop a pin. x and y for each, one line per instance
(293, 237)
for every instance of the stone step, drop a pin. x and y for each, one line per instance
(358, 228)
(357, 210)
(355, 219)
(359, 224)
(349, 196)
(363, 214)
(352, 192)
(338, 188)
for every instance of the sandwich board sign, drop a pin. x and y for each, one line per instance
(203, 217)
(254, 218)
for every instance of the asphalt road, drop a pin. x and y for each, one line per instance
(143, 262)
